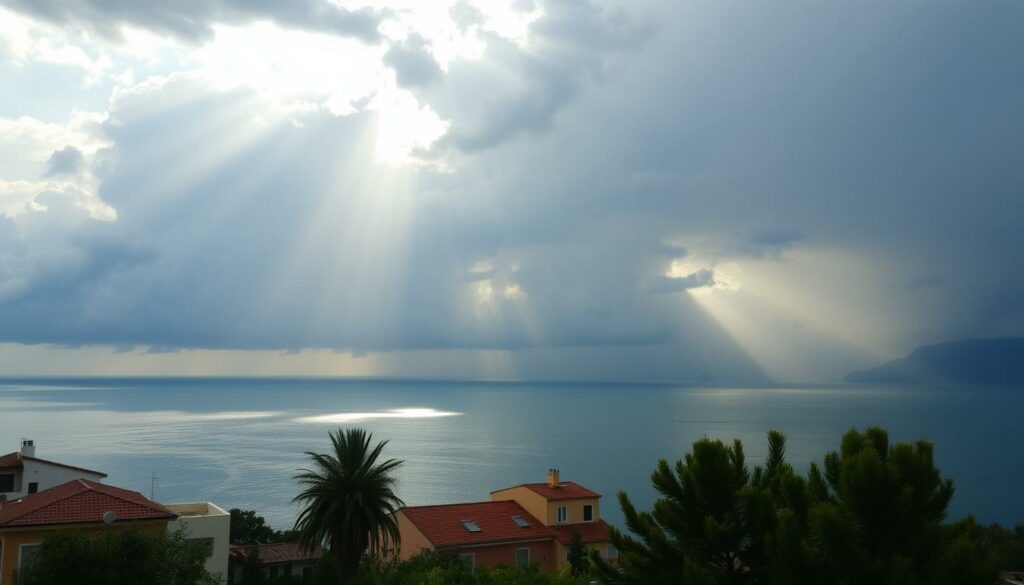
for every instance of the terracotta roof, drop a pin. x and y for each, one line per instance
(590, 531)
(272, 554)
(80, 502)
(10, 461)
(15, 461)
(565, 490)
(442, 525)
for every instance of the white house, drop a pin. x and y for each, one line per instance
(22, 473)
(208, 526)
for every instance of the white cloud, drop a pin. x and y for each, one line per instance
(25, 41)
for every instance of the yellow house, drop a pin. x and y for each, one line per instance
(532, 523)
(76, 505)
(566, 508)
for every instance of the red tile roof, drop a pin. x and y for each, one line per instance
(15, 461)
(442, 525)
(80, 502)
(565, 490)
(590, 531)
(272, 554)
(10, 461)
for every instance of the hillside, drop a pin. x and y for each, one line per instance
(969, 361)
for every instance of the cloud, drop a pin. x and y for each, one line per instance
(27, 144)
(66, 161)
(581, 153)
(519, 89)
(929, 281)
(413, 63)
(670, 284)
(195, 21)
(769, 243)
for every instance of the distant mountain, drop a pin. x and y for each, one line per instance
(970, 361)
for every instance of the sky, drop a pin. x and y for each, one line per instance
(537, 189)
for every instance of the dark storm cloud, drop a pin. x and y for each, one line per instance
(675, 284)
(193, 20)
(926, 281)
(516, 91)
(883, 137)
(769, 243)
(66, 161)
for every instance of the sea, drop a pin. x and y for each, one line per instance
(238, 442)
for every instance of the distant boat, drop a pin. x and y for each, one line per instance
(995, 362)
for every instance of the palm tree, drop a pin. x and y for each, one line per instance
(348, 500)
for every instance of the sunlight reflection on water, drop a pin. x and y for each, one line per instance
(350, 417)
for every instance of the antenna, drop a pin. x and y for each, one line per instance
(109, 517)
(152, 485)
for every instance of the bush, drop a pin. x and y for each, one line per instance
(125, 557)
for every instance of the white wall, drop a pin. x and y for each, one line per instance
(46, 475)
(206, 520)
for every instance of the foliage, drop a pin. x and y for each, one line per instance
(579, 561)
(248, 570)
(125, 557)
(326, 571)
(879, 512)
(873, 513)
(348, 500)
(445, 568)
(248, 528)
(1007, 545)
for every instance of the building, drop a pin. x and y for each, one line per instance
(275, 560)
(206, 525)
(531, 523)
(22, 473)
(79, 504)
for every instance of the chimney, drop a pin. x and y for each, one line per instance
(553, 479)
(28, 448)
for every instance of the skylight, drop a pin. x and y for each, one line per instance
(470, 525)
(521, 521)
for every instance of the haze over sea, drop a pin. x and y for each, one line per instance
(238, 441)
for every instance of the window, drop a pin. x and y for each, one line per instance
(6, 482)
(521, 522)
(563, 514)
(28, 551)
(203, 544)
(470, 525)
(588, 513)
(612, 553)
(33, 487)
(522, 558)
(469, 560)
(273, 572)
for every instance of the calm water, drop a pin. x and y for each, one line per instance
(237, 442)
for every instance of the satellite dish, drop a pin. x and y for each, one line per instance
(109, 518)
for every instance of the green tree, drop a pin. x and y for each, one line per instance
(714, 521)
(578, 559)
(872, 514)
(348, 500)
(878, 517)
(125, 557)
(248, 528)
